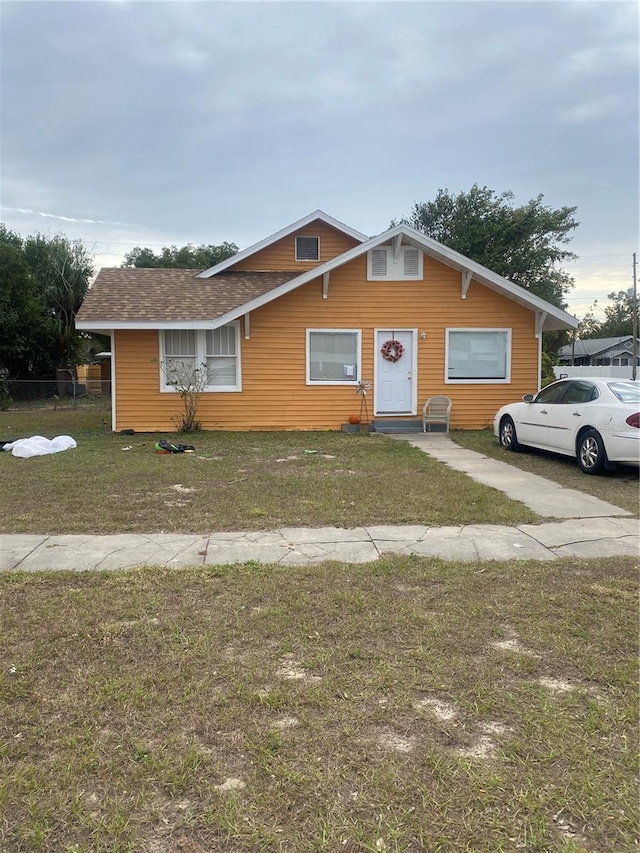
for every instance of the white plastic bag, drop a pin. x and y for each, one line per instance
(38, 445)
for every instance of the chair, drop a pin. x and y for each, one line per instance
(436, 411)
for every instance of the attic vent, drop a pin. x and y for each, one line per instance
(382, 265)
(379, 262)
(307, 248)
(411, 262)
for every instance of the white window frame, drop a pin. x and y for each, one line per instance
(201, 358)
(351, 382)
(395, 268)
(307, 237)
(479, 380)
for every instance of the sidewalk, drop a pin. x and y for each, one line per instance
(589, 528)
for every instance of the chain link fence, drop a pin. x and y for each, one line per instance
(66, 392)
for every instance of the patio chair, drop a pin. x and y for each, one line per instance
(436, 411)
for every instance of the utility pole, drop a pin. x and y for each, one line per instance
(634, 327)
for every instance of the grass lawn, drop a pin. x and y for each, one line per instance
(619, 487)
(234, 481)
(409, 705)
(404, 706)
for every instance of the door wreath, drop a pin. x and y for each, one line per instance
(392, 350)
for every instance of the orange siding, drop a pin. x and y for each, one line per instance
(281, 255)
(275, 395)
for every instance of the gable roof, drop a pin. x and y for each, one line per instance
(164, 298)
(138, 304)
(284, 232)
(551, 317)
(593, 346)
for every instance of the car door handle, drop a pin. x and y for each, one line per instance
(544, 412)
(577, 414)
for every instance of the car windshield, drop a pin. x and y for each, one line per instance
(626, 392)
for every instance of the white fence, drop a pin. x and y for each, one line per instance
(565, 371)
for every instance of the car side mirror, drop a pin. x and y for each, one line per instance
(528, 398)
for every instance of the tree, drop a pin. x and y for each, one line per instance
(524, 244)
(24, 325)
(618, 322)
(187, 257)
(62, 269)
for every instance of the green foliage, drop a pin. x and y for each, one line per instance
(618, 318)
(524, 244)
(25, 328)
(547, 370)
(187, 257)
(5, 395)
(62, 269)
(43, 281)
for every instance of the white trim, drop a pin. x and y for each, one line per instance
(479, 380)
(284, 232)
(539, 361)
(201, 358)
(112, 347)
(306, 237)
(414, 371)
(109, 325)
(347, 382)
(466, 281)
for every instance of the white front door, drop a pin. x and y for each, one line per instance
(395, 380)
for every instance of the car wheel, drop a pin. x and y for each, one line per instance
(508, 437)
(592, 457)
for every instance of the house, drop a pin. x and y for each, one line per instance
(599, 352)
(288, 327)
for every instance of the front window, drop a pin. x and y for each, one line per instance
(478, 355)
(210, 357)
(333, 356)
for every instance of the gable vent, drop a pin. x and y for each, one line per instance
(411, 262)
(382, 265)
(379, 262)
(307, 248)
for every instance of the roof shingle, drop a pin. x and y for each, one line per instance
(164, 295)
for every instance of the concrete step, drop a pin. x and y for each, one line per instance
(397, 425)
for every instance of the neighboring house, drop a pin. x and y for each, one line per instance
(289, 326)
(599, 352)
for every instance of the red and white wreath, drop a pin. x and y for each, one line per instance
(392, 350)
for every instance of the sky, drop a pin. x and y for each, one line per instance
(140, 123)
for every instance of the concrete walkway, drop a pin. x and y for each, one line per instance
(589, 528)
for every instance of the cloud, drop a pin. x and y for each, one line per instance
(64, 218)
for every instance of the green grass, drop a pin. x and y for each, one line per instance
(619, 487)
(329, 708)
(234, 481)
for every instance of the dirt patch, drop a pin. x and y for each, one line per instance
(513, 646)
(396, 742)
(483, 747)
(231, 784)
(292, 671)
(443, 711)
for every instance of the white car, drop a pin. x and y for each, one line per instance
(595, 420)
